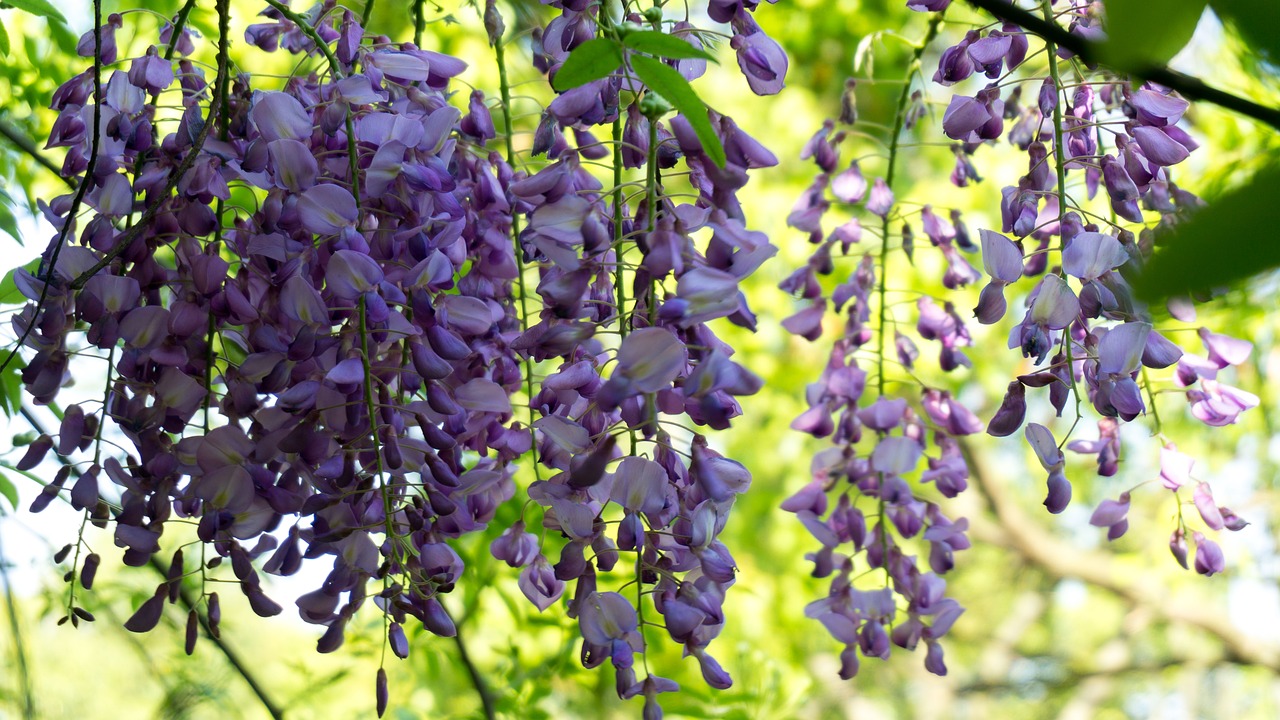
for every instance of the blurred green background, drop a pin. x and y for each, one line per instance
(1060, 624)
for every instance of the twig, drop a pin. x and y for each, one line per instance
(125, 240)
(191, 603)
(1091, 52)
(1070, 679)
(1019, 533)
(184, 595)
(49, 259)
(23, 143)
(482, 688)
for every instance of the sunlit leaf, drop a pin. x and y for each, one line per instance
(592, 60)
(4, 41)
(1257, 21)
(671, 85)
(8, 491)
(8, 223)
(37, 7)
(1146, 34)
(664, 45)
(11, 384)
(1230, 240)
(9, 293)
(62, 36)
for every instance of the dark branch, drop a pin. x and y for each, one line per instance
(49, 259)
(1071, 679)
(24, 143)
(482, 688)
(185, 596)
(1091, 52)
(191, 602)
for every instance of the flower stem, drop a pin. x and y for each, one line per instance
(504, 87)
(1060, 161)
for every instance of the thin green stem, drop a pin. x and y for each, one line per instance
(1151, 399)
(419, 21)
(904, 98)
(504, 88)
(335, 67)
(1060, 161)
(899, 119)
(179, 24)
(372, 409)
(651, 209)
(619, 277)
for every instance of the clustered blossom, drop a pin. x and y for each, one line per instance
(331, 373)
(1087, 334)
(659, 502)
(1101, 342)
(865, 503)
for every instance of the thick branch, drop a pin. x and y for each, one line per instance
(1019, 533)
(1091, 52)
(1071, 679)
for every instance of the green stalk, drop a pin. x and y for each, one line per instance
(504, 87)
(899, 119)
(1059, 159)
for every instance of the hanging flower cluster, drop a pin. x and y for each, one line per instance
(1090, 337)
(328, 375)
(860, 504)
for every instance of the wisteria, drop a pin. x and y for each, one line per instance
(336, 374)
(346, 320)
(1089, 338)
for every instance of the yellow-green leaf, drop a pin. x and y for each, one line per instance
(664, 45)
(592, 60)
(671, 85)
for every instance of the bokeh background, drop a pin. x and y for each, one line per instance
(1060, 623)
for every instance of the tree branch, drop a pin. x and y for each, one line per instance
(1021, 534)
(1071, 679)
(1091, 52)
(24, 143)
(184, 595)
(482, 688)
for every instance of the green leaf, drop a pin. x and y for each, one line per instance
(4, 41)
(1256, 21)
(671, 85)
(8, 222)
(1144, 34)
(63, 37)
(589, 61)
(11, 385)
(9, 294)
(1230, 240)
(664, 45)
(9, 492)
(37, 7)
